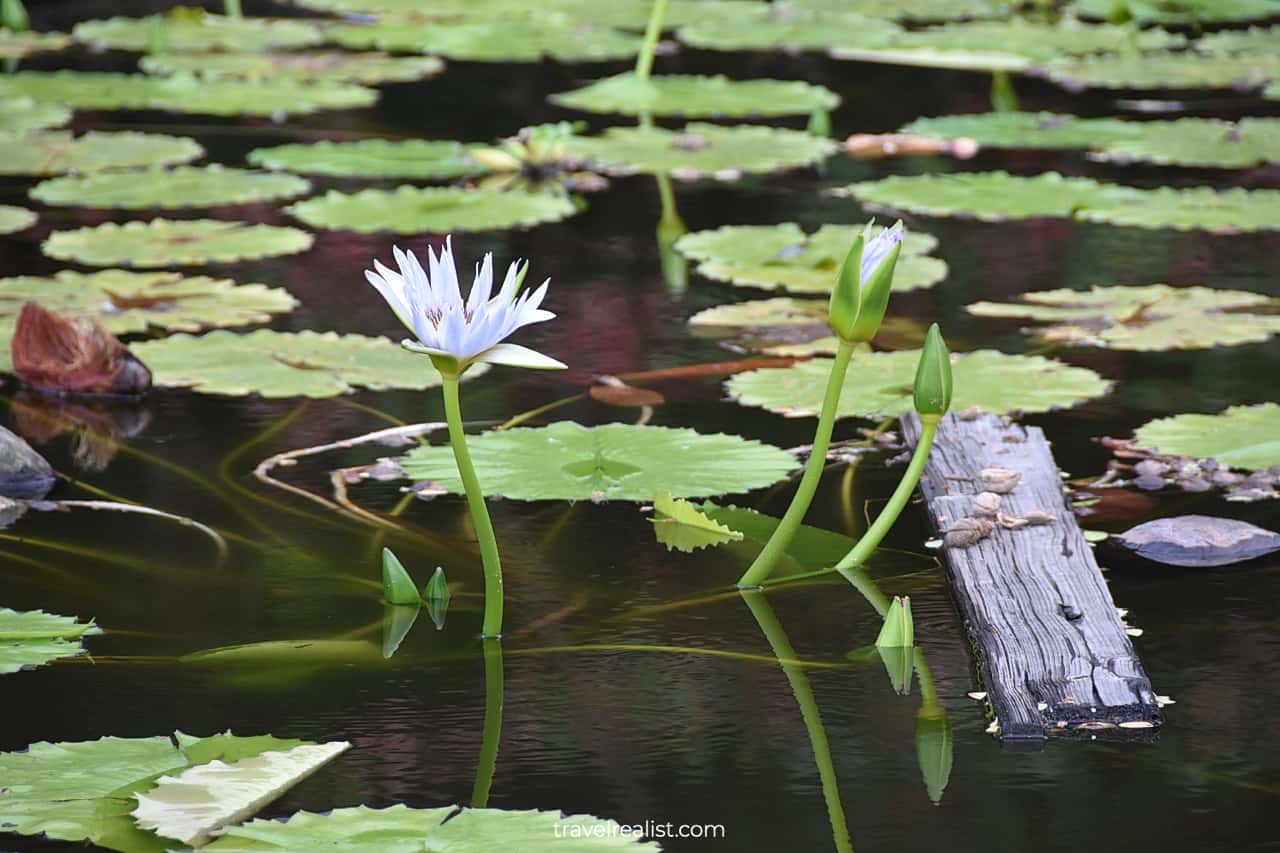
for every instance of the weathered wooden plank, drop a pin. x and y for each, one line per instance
(1052, 650)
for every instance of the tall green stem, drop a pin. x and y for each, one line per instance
(898, 501)
(644, 62)
(781, 538)
(493, 697)
(479, 511)
(803, 691)
(232, 8)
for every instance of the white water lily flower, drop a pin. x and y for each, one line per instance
(457, 334)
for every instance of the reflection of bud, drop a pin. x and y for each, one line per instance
(934, 748)
(898, 630)
(437, 595)
(933, 375)
(396, 622)
(861, 293)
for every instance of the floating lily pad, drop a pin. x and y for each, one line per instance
(527, 38)
(783, 256)
(681, 526)
(779, 312)
(1152, 317)
(1197, 541)
(1181, 12)
(1026, 130)
(400, 829)
(169, 189)
(880, 384)
(567, 461)
(164, 242)
(84, 791)
(372, 158)
(33, 638)
(1253, 40)
(914, 10)
(700, 150)
(182, 93)
(15, 218)
(1199, 142)
(1241, 436)
(1183, 70)
(368, 68)
(23, 115)
(626, 14)
(182, 31)
(780, 27)
(414, 210)
(283, 364)
(55, 152)
(1195, 208)
(698, 97)
(16, 45)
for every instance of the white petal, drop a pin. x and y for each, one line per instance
(392, 290)
(509, 284)
(446, 285)
(518, 356)
(875, 251)
(482, 286)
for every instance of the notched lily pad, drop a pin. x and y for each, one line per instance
(283, 364)
(169, 189)
(165, 242)
(1198, 541)
(567, 461)
(1150, 318)
(33, 638)
(368, 68)
(56, 152)
(15, 218)
(527, 38)
(181, 30)
(423, 159)
(1241, 436)
(1184, 70)
(695, 96)
(681, 526)
(16, 45)
(414, 210)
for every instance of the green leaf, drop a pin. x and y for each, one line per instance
(680, 526)
(400, 829)
(1240, 437)
(169, 189)
(23, 115)
(915, 10)
(1254, 40)
(1151, 317)
(626, 14)
(1027, 130)
(1183, 70)
(778, 27)
(34, 637)
(199, 801)
(163, 242)
(810, 549)
(369, 68)
(700, 150)
(415, 210)
(55, 152)
(372, 158)
(784, 257)
(287, 653)
(1231, 211)
(695, 96)
(182, 93)
(84, 791)
(16, 45)
(1182, 12)
(183, 32)
(879, 384)
(15, 218)
(284, 364)
(898, 630)
(567, 461)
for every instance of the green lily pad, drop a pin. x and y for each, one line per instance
(1241, 436)
(169, 189)
(695, 96)
(1151, 317)
(914, 10)
(16, 45)
(56, 152)
(1180, 12)
(1253, 40)
(23, 115)
(183, 31)
(989, 196)
(1027, 130)
(182, 93)
(625, 14)
(700, 150)
(1199, 142)
(84, 791)
(529, 38)
(776, 313)
(370, 68)
(567, 461)
(681, 526)
(880, 384)
(164, 242)
(1230, 211)
(283, 364)
(33, 638)
(781, 27)
(1183, 70)
(423, 159)
(414, 210)
(784, 257)
(15, 218)
(400, 829)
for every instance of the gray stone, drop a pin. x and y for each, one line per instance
(23, 472)
(1198, 540)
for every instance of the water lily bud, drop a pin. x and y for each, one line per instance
(13, 16)
(898, 630)
(397, 586)
(438, 597)
(495, 159)
(861, 294)
(933, 375)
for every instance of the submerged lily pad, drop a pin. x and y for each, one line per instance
(879, 384)
(681, 526)
(55, 152)
(283, 364)
(700, 149)
(169, 189)
(165, 242)
(182, 31)
(33, 638)
(527, 38)
(1241, 436)
(23, 115)
(567, 461)
(182, 93)
(1180, 12)
(1152, 317)
(1183, 70)
(16, 45)
(15, 218)
(781, 27)
(372, 158)
(698, 96)
(783, 256)
(414, 210)
(370, 68)
(1198, 541)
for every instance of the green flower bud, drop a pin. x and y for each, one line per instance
(13, 16)
(861, 294)
(397, 586)
(933, 375)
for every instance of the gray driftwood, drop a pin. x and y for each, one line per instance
(1052, 651)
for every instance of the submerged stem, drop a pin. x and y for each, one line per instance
(644, 62)
(781, 538)
(493, 697)
(479, 511)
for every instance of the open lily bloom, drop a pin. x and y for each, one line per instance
(457, 334)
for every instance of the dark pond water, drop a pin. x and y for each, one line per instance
(592, 722)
